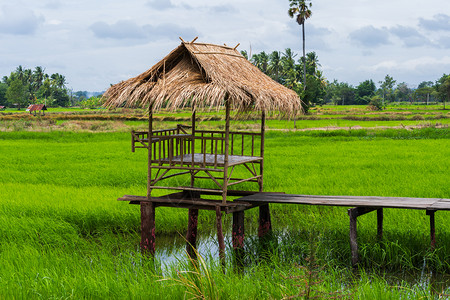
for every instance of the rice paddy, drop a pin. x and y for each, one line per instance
(64, 235)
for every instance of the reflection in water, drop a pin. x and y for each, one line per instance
(171, 251)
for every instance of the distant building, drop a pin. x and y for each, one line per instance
(37, 108)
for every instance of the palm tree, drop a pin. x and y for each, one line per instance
(19, 72)
(38, 77)
(300, 8)
(313, 62)
(275, 65)
(289, 68)
(58, 80)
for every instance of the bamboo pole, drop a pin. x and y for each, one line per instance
(149, 174)
(227, 136)
(261, 167)
(193, 144)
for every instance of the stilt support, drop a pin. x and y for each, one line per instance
(353, 236)
(380, 224)
(238, 239)
(354, 213)
(191, 236)
(265, 225)
(148, 227)
(432, 229)
(220, 237)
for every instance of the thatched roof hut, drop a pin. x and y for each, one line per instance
(205, 74)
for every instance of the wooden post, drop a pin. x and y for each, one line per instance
(149, 147)
(193, 145)
(191, 236)
(261, 167)
(220, 237)
(238, 238)
(227, 135)
(148, 228)
(265, 224)
(132, 140)
(432, 229)
(380, 224)
(353, 214)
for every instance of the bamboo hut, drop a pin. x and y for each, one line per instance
(203, 76)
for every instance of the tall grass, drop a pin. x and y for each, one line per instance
(62, 234)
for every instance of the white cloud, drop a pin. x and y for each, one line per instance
(161, 4)
(409, 65)
(122, 29)
(438, 22)
(16, 20)
(369, 36)
(129, 30)
(410, 36)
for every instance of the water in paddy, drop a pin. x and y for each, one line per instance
(171, 250)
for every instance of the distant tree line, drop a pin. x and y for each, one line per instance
(285, 69)
(341, 93)
(26, 86)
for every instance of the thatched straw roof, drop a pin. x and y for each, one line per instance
(205, 74)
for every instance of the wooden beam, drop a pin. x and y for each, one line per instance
(148, 237)
(191, 235)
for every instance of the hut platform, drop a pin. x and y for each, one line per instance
(210, 159)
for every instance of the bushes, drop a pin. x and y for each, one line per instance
(376, 103)
(93, 102)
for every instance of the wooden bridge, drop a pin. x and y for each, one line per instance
(360, 205)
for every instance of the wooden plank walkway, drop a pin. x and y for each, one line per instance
(361, 205)
(193, 201)
(354, 201)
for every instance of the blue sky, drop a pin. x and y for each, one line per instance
(95, 43)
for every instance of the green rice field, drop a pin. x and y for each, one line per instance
(64, 235)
